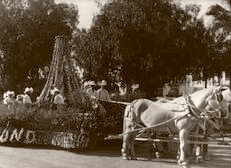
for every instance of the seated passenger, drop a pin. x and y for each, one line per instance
(9, 99)
(58, 100)
(26, 98)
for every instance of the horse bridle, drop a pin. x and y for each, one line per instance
(218, 97)
(208, 113)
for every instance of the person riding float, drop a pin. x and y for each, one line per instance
(9, 99)
(92, 94)
(26, 98)
(58, 101)
(91, 91)
(19, 98)
(166, 89)
(102, 95)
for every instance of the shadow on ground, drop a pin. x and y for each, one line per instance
(220, 155)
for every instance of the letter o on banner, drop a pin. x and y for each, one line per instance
(30, 137)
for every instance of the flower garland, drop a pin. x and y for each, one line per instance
(30, 137)
(5, 135)
(60, 139)
(16, 135)
(69, 141)
(57, 139)
(83, 139)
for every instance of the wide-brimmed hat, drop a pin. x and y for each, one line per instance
(5, 95)
(103, 83)
(92, 83)
(10, 93)
(27, 89)
(55, 90)
(19, 97)
(86, 83)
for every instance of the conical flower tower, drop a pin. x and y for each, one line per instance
(62, 74)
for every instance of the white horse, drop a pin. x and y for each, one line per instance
(178, 116)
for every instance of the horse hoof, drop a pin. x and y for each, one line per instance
(125, 158)
(186, 166)
(179, 162)
(184, 163)
(198, 159)
(157, 155)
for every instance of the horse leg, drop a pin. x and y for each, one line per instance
(128, 141)
(127, 124)
(132, 148)
(125, 147)
(156, 149)
(198, 153)
(183, 145)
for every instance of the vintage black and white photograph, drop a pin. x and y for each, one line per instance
(115, 83)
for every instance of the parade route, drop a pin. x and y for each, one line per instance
(109, 157)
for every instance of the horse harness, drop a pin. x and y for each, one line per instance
(191, 108)
(130, 116)
(211, 109)
(208, 113)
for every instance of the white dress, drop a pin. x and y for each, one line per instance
(27, 99)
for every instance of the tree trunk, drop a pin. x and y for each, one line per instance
(205, 77)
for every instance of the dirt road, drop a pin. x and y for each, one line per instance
(108, 157)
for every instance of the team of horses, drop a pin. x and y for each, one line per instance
(179, 116)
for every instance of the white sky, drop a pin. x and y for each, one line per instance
(88, 8)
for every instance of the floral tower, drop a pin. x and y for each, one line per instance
(62, 74)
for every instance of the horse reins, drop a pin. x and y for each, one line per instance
(175, 118)
(153, 126)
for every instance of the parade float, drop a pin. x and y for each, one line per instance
(75, 125)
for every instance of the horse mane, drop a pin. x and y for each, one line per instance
(198, 97)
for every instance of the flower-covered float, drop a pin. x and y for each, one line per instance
(74, 125)
(66, 128)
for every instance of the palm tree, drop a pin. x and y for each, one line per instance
(222, 16)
